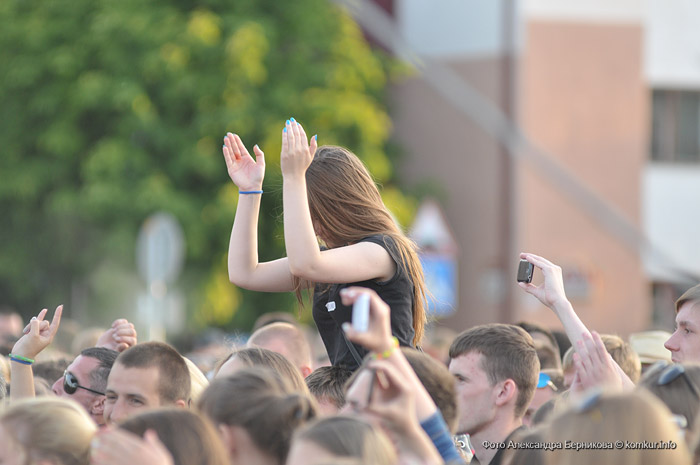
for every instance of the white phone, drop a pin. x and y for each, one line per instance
(360, 313)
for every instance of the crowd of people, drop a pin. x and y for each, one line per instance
(498, 393)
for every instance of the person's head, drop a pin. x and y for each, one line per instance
(45, 430)
(684, 343)
(256, 413)
(649, 346)
(11, 326)
(189, 437)
(286, 339)
(199, 382)
(677, 386)
(147, 375)
(550, 383)
(622, 352)
(545, 343)
(11, 323)
(631, 417)
(85, 380)
(496, 369)
(50, 370)
(346, 206)
(327, 385)
(438, 381)
(256, 356)
(527, 455)
(339, 437)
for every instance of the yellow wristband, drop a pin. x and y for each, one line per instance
(387, 353)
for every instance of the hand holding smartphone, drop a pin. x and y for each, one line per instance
(360, 313)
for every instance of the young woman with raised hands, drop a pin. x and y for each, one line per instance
(328, 194)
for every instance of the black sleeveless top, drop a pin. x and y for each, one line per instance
(329, 312)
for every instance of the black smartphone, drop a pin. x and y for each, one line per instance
(525, 270)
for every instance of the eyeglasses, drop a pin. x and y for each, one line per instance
(545, 380)
(671, 373)
(70, 384)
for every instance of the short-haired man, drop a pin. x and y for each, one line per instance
(85, 380)
(327, 385)
(147, 375)
(496, 368)
(286, 339)
(684, 343)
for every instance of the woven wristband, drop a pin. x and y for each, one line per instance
(250, 192)
(20, 359)
(387, 353)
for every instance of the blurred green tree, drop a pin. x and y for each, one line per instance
(111, 111)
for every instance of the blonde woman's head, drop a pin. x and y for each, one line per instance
(630, 419)
(55, 430)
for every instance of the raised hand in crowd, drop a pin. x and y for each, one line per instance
(38, 334)
(551, 293)
(297, 150)
(120, 336)
(245, 172)
(595, 367)
(116, 446)
(397, 397)
(394, 403)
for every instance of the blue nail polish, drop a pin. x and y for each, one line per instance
(224, 146)
(292, 119)
(315, 136)
(287, 122)
(285, 130)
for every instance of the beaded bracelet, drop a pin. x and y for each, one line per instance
(250, 192)
(387, 353)
(20, 359)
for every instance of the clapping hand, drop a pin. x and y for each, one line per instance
(245, 172)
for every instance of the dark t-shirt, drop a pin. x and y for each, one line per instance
(329, 312)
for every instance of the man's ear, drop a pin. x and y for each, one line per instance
(305, 371)
(97, 407)
(506, 391)
(182, 403)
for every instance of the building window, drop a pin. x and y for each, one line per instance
(675, 132)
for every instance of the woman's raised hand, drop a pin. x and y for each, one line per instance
(297, 151)
(245, 172)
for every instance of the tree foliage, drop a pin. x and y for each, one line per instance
(114, 110)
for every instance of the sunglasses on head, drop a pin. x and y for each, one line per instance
(545, 380)
(70, 384)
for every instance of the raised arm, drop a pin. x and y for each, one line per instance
(37, 336)
(352, 263)
(403, 403)
(244, 270)
(551, 293)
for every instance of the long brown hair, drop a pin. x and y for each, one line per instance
(188, 436)
(260, 402)
(346, 207)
